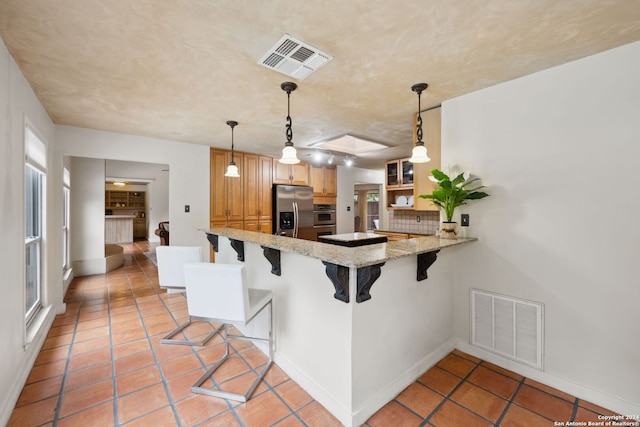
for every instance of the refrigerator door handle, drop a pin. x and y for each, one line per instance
(295, 219)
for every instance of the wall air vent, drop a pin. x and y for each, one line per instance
(294, 58)
(510, 327)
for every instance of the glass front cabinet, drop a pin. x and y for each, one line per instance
(399, 173)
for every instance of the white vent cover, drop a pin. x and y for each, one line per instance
(508, 326)
(294, 58)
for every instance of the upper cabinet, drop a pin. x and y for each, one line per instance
(324, 180)
(405, 179)
(124, 199)
(399, 173)
(297, 174)
(431, 128)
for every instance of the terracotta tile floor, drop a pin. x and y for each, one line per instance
(102, 364)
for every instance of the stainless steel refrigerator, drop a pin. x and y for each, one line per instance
(293, 211)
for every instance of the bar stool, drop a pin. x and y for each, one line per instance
(218, 292)
(171, 261)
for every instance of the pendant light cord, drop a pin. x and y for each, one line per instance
(419, 122)
(289, 121)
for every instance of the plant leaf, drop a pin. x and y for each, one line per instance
(439, 175)
(458, 179)
(476, 195)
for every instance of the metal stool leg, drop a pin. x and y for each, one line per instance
(167, 339)
(196, 388)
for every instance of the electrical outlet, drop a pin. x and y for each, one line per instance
(464, 220)
(187, 208)
(418, 218)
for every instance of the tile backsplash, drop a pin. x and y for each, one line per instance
(407, 221)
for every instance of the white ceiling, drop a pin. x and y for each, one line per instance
(180, 69)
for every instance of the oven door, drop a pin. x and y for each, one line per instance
(324, 217)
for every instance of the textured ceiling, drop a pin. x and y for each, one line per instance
(180, 69)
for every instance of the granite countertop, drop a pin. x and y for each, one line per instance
(119, 216)
(349, 257)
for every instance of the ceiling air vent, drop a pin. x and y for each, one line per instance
(294, 58)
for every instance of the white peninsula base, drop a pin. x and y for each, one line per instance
(351, 357)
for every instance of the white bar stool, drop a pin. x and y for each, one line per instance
(218, 292)
(171, 261)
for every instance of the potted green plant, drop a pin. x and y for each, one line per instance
(450, 194)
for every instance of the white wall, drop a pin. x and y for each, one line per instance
(559, 153)
(188, 180)
(87, 216)
(17, 105)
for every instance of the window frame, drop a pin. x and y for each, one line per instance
(66, 218)
(35, 196)
(34, 218)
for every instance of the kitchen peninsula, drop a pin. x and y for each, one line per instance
(353, 326)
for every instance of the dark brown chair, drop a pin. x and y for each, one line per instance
(163, 232)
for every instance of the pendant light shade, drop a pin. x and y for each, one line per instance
(289, 155)
(419, 153)
(232, 169)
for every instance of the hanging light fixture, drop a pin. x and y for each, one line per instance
(232, 169)
(419, 153)
(289, 152)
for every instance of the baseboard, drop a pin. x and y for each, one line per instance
(389, 392)
(318, 393)
(32, 349)
(67, 278)
(580, 391)
(381, 398)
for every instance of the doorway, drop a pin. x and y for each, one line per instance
(366, 203)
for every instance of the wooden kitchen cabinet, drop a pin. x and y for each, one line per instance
(259, 226)
(297, 174)
(399, 181)
(139, 228)
(226, 201)
(324, 180)
(393, 235)
(399, 173)
(404, 178)
(256, 174)
(237, 225)
(431, 137)
(124, 199)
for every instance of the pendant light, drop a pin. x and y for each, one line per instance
(232, 169)
(419, 153)
(289, 152)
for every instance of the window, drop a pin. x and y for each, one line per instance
(370, 210)
(65, 220)
(373, 210)
(35, 175)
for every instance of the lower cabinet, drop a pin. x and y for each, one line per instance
(393, 236)
(139, 228)
(258, 226)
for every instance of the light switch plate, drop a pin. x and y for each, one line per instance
(187, 208)
(464, 220)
